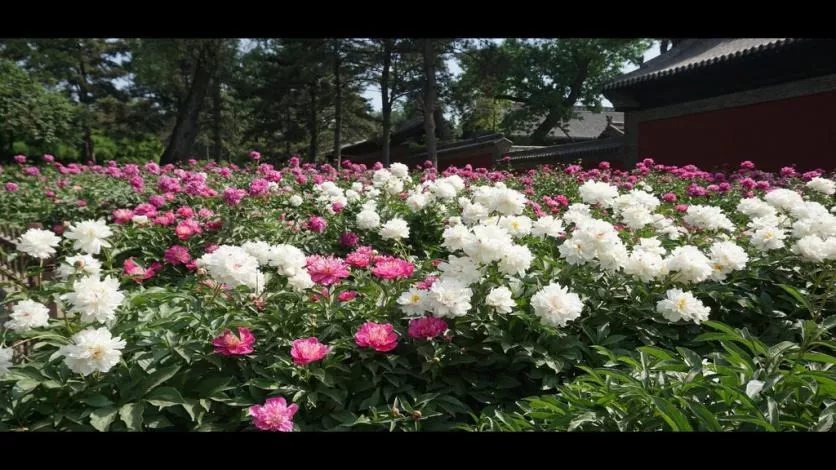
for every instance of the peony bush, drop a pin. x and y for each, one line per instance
(214, 297)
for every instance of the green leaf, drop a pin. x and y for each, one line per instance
(165, 396)
(131, 415)
(796, 295)
(656, 352)
(675, 419)
(102, 418)
(156, 379)
(705, 416)
(96, 401)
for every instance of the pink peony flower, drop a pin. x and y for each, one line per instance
(187, 228)
(48, 158)
(349, 239)
(361, 257)
(380, 337)
(20, 159)
(681, 207)
(166, 219)
(11, 187)
(426, 283)
(156, 201)
(347, 296)
(81, 203)
(316, 224)
(308, 350)
(230, 345)
(138, 273)
(121, 216)
(255, 155)
(426, 327)
(274, 415)
(387, 267)
(747, 165)
(185, 212)
(205, 213)
(327, 271)
(669, 197)
(233, 196)
(177, 254)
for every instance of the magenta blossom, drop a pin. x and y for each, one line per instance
(230, 345)
(137, 272)
(380, 337)
(187, 228)
(233, 196)
(669, 197)
(387, 267)
(308, 350)
(316, 224)
(427, 327)
(255, 155)
(327, 271)
(11, 187)
(426, 283)
(349, 239)
(48, 158)
(121, 216)
(20, 159)
(361, 257)
(274, 415)
(177, 254)
(347, 296)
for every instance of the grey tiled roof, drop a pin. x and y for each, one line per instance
(697, 53)
(586, 125)
(600, 146)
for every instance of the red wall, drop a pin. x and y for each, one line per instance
(775, 134)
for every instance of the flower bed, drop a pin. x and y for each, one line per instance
(212, 297)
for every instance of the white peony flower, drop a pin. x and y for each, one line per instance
(680, 305)
(288, 259)
(645, 265)
(556, 306)
(518, 226)
(516, 260)
(300, 281)
(393, 187)
(295, 200)
(489, 245)
(368, 219)
(754, 207)
(507, 201)
(815, 249)
(260, 250)
(456, 237)
(232, 265)
(784, 199)
(688, 265)
(6, 355)
(449, 297)
(38, 243)
(726, 257)
(26, 315)
(399, 169)
(707, 218)
(598, 192)
(140, 219)
(93, 351)
(547, 226)
(462, 268)
(500, 299)
(822, 185)
(79, 264)
(395, 229)
(768, 238)
(89, 236)
(417, 201)
(413, 302)
(636, 217)
(96, 300)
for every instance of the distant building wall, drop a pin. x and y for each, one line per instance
(800, 129)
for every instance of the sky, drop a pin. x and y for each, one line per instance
(373, 93)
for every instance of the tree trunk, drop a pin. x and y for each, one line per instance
(429, 101)
(385, 102)
(88, 149)
(186, 127)
(313, 132)
(337, 105)
(217, 120)
(542, 131)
